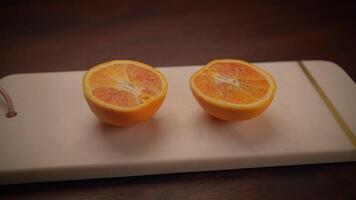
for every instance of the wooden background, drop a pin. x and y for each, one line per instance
(37, 36)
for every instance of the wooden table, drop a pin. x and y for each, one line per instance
(38, 37)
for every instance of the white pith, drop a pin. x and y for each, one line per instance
(223, 79)
(131, 88)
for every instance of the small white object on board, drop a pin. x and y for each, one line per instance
(55, 136)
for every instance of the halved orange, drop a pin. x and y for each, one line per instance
(124, 92)
(233, 90)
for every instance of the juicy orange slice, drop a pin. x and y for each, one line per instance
(233, 90)
(124, 92)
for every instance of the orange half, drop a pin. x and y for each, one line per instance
(233, 90)
(124, 92)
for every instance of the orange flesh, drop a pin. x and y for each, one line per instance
(124, 85)
(232, 82)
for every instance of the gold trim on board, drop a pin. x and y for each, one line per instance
(343, 125)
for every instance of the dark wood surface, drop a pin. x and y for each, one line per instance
(42, 36)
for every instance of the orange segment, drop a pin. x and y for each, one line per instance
(233, 89)
(124, 92)
(207, 86)
(235, 70)
(257, 88)
(114, 96)
(144, 79)
(101, 79)
(236, 95)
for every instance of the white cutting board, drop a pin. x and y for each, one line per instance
(56, 137)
